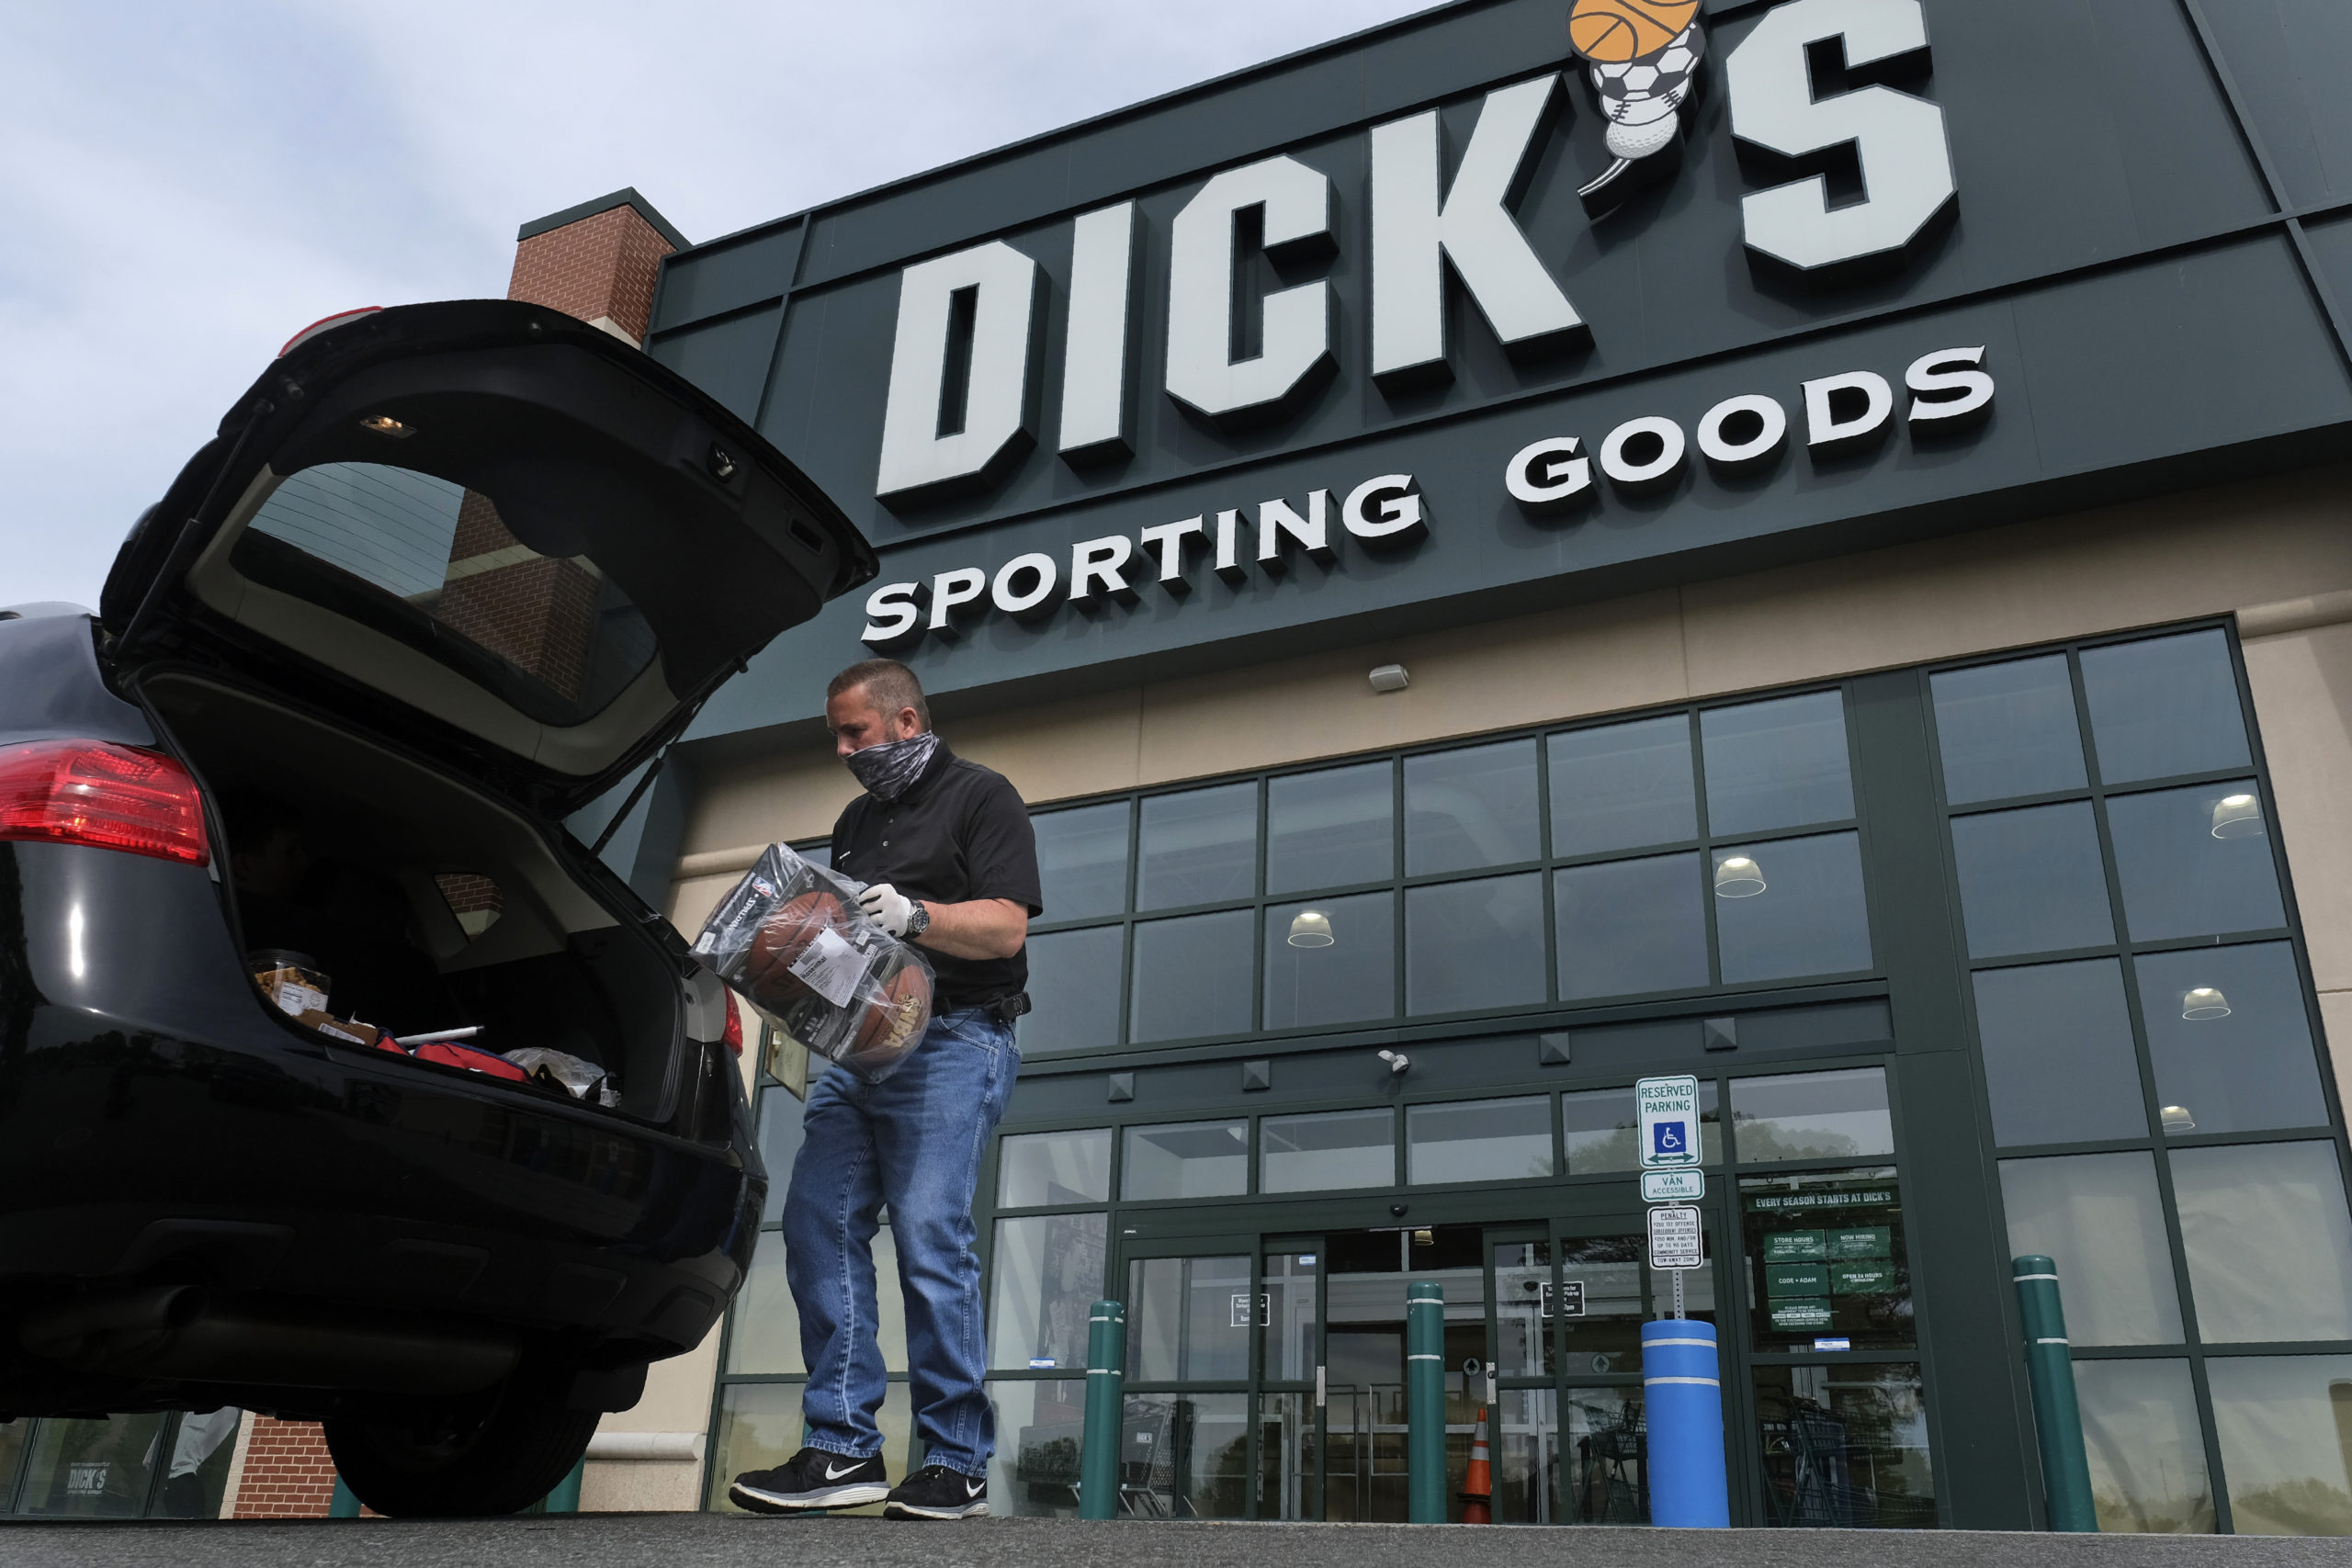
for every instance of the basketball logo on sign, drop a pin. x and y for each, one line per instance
(1644, 57)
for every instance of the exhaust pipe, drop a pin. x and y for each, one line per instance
(173, 1332)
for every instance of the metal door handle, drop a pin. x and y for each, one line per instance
(1319, 1394)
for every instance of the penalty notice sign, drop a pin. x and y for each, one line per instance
(1674, 1239)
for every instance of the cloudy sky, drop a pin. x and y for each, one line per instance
(183, 186)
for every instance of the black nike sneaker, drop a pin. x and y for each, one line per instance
(812, 1480)
(936, 1491)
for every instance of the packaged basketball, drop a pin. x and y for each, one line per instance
(792, 938)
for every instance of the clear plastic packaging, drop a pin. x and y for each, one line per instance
(558, 1070)
(791, 937)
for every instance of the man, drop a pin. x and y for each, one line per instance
(950, 864)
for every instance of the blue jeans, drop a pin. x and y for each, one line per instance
(913, 1142)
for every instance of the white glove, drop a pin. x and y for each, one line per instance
(888, 908)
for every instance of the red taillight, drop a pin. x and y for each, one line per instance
(325, 323)
(730, 1033)
(103, 796)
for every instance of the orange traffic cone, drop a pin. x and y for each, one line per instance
(1478, 1487)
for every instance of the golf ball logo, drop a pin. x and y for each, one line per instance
(1645, 57)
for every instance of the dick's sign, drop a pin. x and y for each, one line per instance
(966, 395)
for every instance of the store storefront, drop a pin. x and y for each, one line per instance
(1855, 606)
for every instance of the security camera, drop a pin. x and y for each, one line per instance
(1397, 1061)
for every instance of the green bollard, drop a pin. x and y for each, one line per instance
(2057, 1419)
(344, 1503)
(1425, 1402)
(1106, 1360)
(565, 1497)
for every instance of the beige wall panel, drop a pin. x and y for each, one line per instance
(639, 1487)
(677, 1394)
(1055, 751)
(692, 902)
(2202, 552)
(1587, 659)
(2335, 1019)
(2302, 701)
(794, 795)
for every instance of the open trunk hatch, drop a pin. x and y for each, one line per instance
(498, 534)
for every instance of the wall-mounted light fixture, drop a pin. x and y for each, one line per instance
(1736, 877)
(1311, 928)
(1397, 1061)
(1390, 678)
(2237, 817)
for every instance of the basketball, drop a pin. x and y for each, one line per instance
(784, 936)
(894, 1022)
(1612, 32)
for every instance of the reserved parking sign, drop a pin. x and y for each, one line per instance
(1669, 1122)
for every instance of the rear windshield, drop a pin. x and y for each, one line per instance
(434, 564)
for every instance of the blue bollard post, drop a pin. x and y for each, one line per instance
(1107, 1361)
(1687, 1487)
(1425, 1403)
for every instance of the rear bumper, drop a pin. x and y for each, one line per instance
(156, 1124)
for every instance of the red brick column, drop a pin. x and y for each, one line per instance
(287, 1475)
(597, 261)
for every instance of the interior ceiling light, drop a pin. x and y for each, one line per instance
(2237, 817)
(2204, 1002)
(2177, 1119)
(385, 424)
(1311, 928)
(1736, 877)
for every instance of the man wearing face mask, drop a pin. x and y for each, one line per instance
(950, 864)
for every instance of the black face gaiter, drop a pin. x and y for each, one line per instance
(890, 770)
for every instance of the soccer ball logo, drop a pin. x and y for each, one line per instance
(1645, 56)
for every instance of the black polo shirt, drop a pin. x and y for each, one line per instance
(960, 833)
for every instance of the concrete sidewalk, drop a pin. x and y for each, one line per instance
(709, 1540)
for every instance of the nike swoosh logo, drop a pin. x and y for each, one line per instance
(832, 1474)
(973, 1488)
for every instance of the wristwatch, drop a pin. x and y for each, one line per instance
(918, 919)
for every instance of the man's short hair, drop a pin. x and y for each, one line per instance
(889, 685)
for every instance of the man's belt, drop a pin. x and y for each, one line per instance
(1003, 1008)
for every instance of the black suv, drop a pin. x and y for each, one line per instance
(448, 574)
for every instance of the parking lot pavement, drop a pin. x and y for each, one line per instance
(709, 1540)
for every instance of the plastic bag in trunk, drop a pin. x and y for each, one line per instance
(791, 937)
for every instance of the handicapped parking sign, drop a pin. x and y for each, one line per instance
(1669, 1122)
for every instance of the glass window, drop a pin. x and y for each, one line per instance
(99, 1467)
(1479, 1140)
(1845, 1447)
(1330, 829)
(1288, 1430)
(1623, 787)
(759, 1428)
(1333, 961)
(2194, 862)
(1083, 860)
(1073, 991)
(2280, 1420)
(763, 1332)
(1334, 1149)
(1777, 764)
(2230, 1040)
(1600, 1300)
(2008, 729)
(1524, 1303)
(1600, 1131)
(2147, 1455)
(816, 854)
(2098, 1217)
(1188, 1319)
(1631, 925)
(1035, 1169)
(1601, 1459)
(1792, 908)
(1040, 1432)
(1206, 1439)
(2268, 1243)
(1470, 808)
(1049, 1270)
(2059, 1063)
(1293, 1313)
(2031, 881)
(2165, 705)
(1192, 976)
(1185, 1159)
(780, 1140)
(1199, 847)
(1473, 945)
(1812, 1115)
